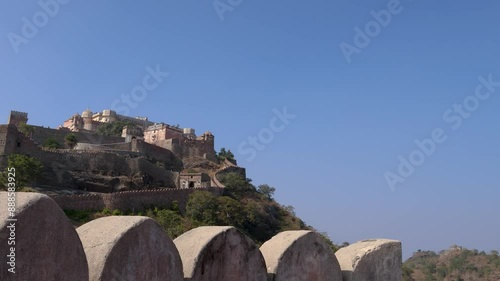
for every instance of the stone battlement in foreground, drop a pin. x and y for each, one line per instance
(128, 248)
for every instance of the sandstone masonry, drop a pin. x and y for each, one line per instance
(136, 248)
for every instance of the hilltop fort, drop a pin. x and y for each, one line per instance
(147, 155)
(154, 168)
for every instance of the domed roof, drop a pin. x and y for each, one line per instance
(87, 113)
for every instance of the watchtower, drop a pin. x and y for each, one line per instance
(17, 117)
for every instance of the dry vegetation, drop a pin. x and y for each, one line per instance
(455, 264)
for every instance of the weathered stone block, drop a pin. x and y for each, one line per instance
(47, 246)
(129, 248)
(371, 260)
(300, 256)
(220, 253)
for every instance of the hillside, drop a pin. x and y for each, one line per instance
(250, 209)
(454, 264)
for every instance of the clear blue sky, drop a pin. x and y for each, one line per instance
(352, 120)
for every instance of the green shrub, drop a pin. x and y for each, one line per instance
(79, 216)
(71, 140)
(52, 143)
(113, 128)
(26, 129)
(27, 170)
(171, 222)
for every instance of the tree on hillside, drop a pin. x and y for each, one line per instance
(407, 273)
(266, 190)
(113, 129)
(345, 244)
(329, 241)
(223, 154)
(243, 207)
(229, 212)
(236, 185)
(290, 209)
(208, 209)
(202, 207)
(52, 143)
(71, 140)
(171, 221)
(27, 170)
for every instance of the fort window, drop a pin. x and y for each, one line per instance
(191, 184)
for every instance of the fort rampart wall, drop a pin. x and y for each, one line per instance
(148, 166)
(40, 134)
(136, 200)
(136, 248)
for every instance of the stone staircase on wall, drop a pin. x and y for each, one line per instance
(226, 166)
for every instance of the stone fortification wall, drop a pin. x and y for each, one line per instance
(136, 200)
(189, 148)
(198, 148)
(230, 167)
(137, 248)
(96, 170)
(8, 139)
(121, 146)
(156, 153)
(40, 134)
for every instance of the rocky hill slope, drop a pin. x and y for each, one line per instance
(454, 264)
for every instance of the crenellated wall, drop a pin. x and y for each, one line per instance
(121, 146)
(230, 167)
(136, 200)
(17, 117)
(136, 248)
(40, 134)
(187, 148)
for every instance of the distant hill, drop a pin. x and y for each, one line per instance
(454, 264)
